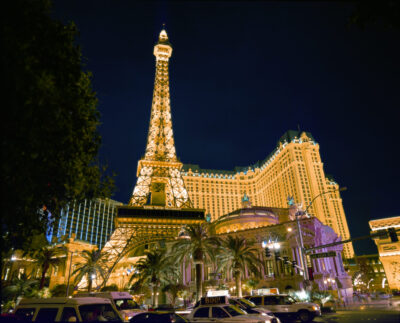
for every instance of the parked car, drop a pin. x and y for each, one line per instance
(250, 307)
(122, 300)
(9, 317)
(64, 309)
(384, 296)
(212, 309)
(285, 307)
(158, 317)
(165, 307)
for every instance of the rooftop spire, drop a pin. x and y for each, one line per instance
(163, 36)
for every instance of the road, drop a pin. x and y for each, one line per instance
(367, 315)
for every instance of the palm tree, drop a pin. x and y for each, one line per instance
(49, 257)
(20, 286)
(94, 264)
(173, 289)
(153, 270)
(237, 255)
(197, 245)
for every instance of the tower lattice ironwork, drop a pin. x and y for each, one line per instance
(160, 205)
(159, 180)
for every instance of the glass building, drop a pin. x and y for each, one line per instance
(91, 221)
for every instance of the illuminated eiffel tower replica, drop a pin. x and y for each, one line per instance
(159, 177)
(160, 205)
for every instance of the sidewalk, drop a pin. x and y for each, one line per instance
(382, 304)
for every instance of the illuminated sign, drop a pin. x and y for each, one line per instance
(214, 300)
(217, 293)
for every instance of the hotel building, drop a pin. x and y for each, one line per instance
(90, 221)
(293, 169)
(389, 250)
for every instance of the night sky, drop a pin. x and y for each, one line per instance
(241, 74)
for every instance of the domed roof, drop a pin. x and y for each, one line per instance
(246, 218)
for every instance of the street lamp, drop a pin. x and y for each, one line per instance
(298, 213)
(69, 272)
(323, 193)
(369, 282)
(272, 245)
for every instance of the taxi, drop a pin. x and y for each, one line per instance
(218, 309)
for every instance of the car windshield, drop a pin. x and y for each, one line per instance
(126, 304)
(234, 310)
(289, 299)
(246, 302)
(98, 312)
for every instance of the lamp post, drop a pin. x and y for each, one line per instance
(69, 272)
(275, 246)
(298, 213)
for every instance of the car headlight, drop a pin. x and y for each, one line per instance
(315, 308)
(264, 314)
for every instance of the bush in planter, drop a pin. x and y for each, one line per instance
(110, 288)
(60, 290)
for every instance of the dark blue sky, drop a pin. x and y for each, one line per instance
(241, 74)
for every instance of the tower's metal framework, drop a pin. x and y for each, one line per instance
(160, 205)
(159, 180)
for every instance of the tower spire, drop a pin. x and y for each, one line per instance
(159, 179)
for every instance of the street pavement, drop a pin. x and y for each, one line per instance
(371, 315)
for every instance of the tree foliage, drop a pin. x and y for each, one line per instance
(237, 255)
(153, 270)
(60, 290)
(174, 290)
(197, 246)
(92, 266)
(370, 13)
(49, 257)
(20, 286)
(110, 288)
(50, 131)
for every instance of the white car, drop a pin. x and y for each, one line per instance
(218, 309)
(123, 301)
(285, 307)
(64, 309)
(251, 308)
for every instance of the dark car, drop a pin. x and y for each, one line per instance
(158, 317)
(10, 317)
(165, 308)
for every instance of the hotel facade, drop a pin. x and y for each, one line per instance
(90, 221)
(389, 250)
(293, 169)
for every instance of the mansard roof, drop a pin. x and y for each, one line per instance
(287, 137)
(330, 177)
(196, 168)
